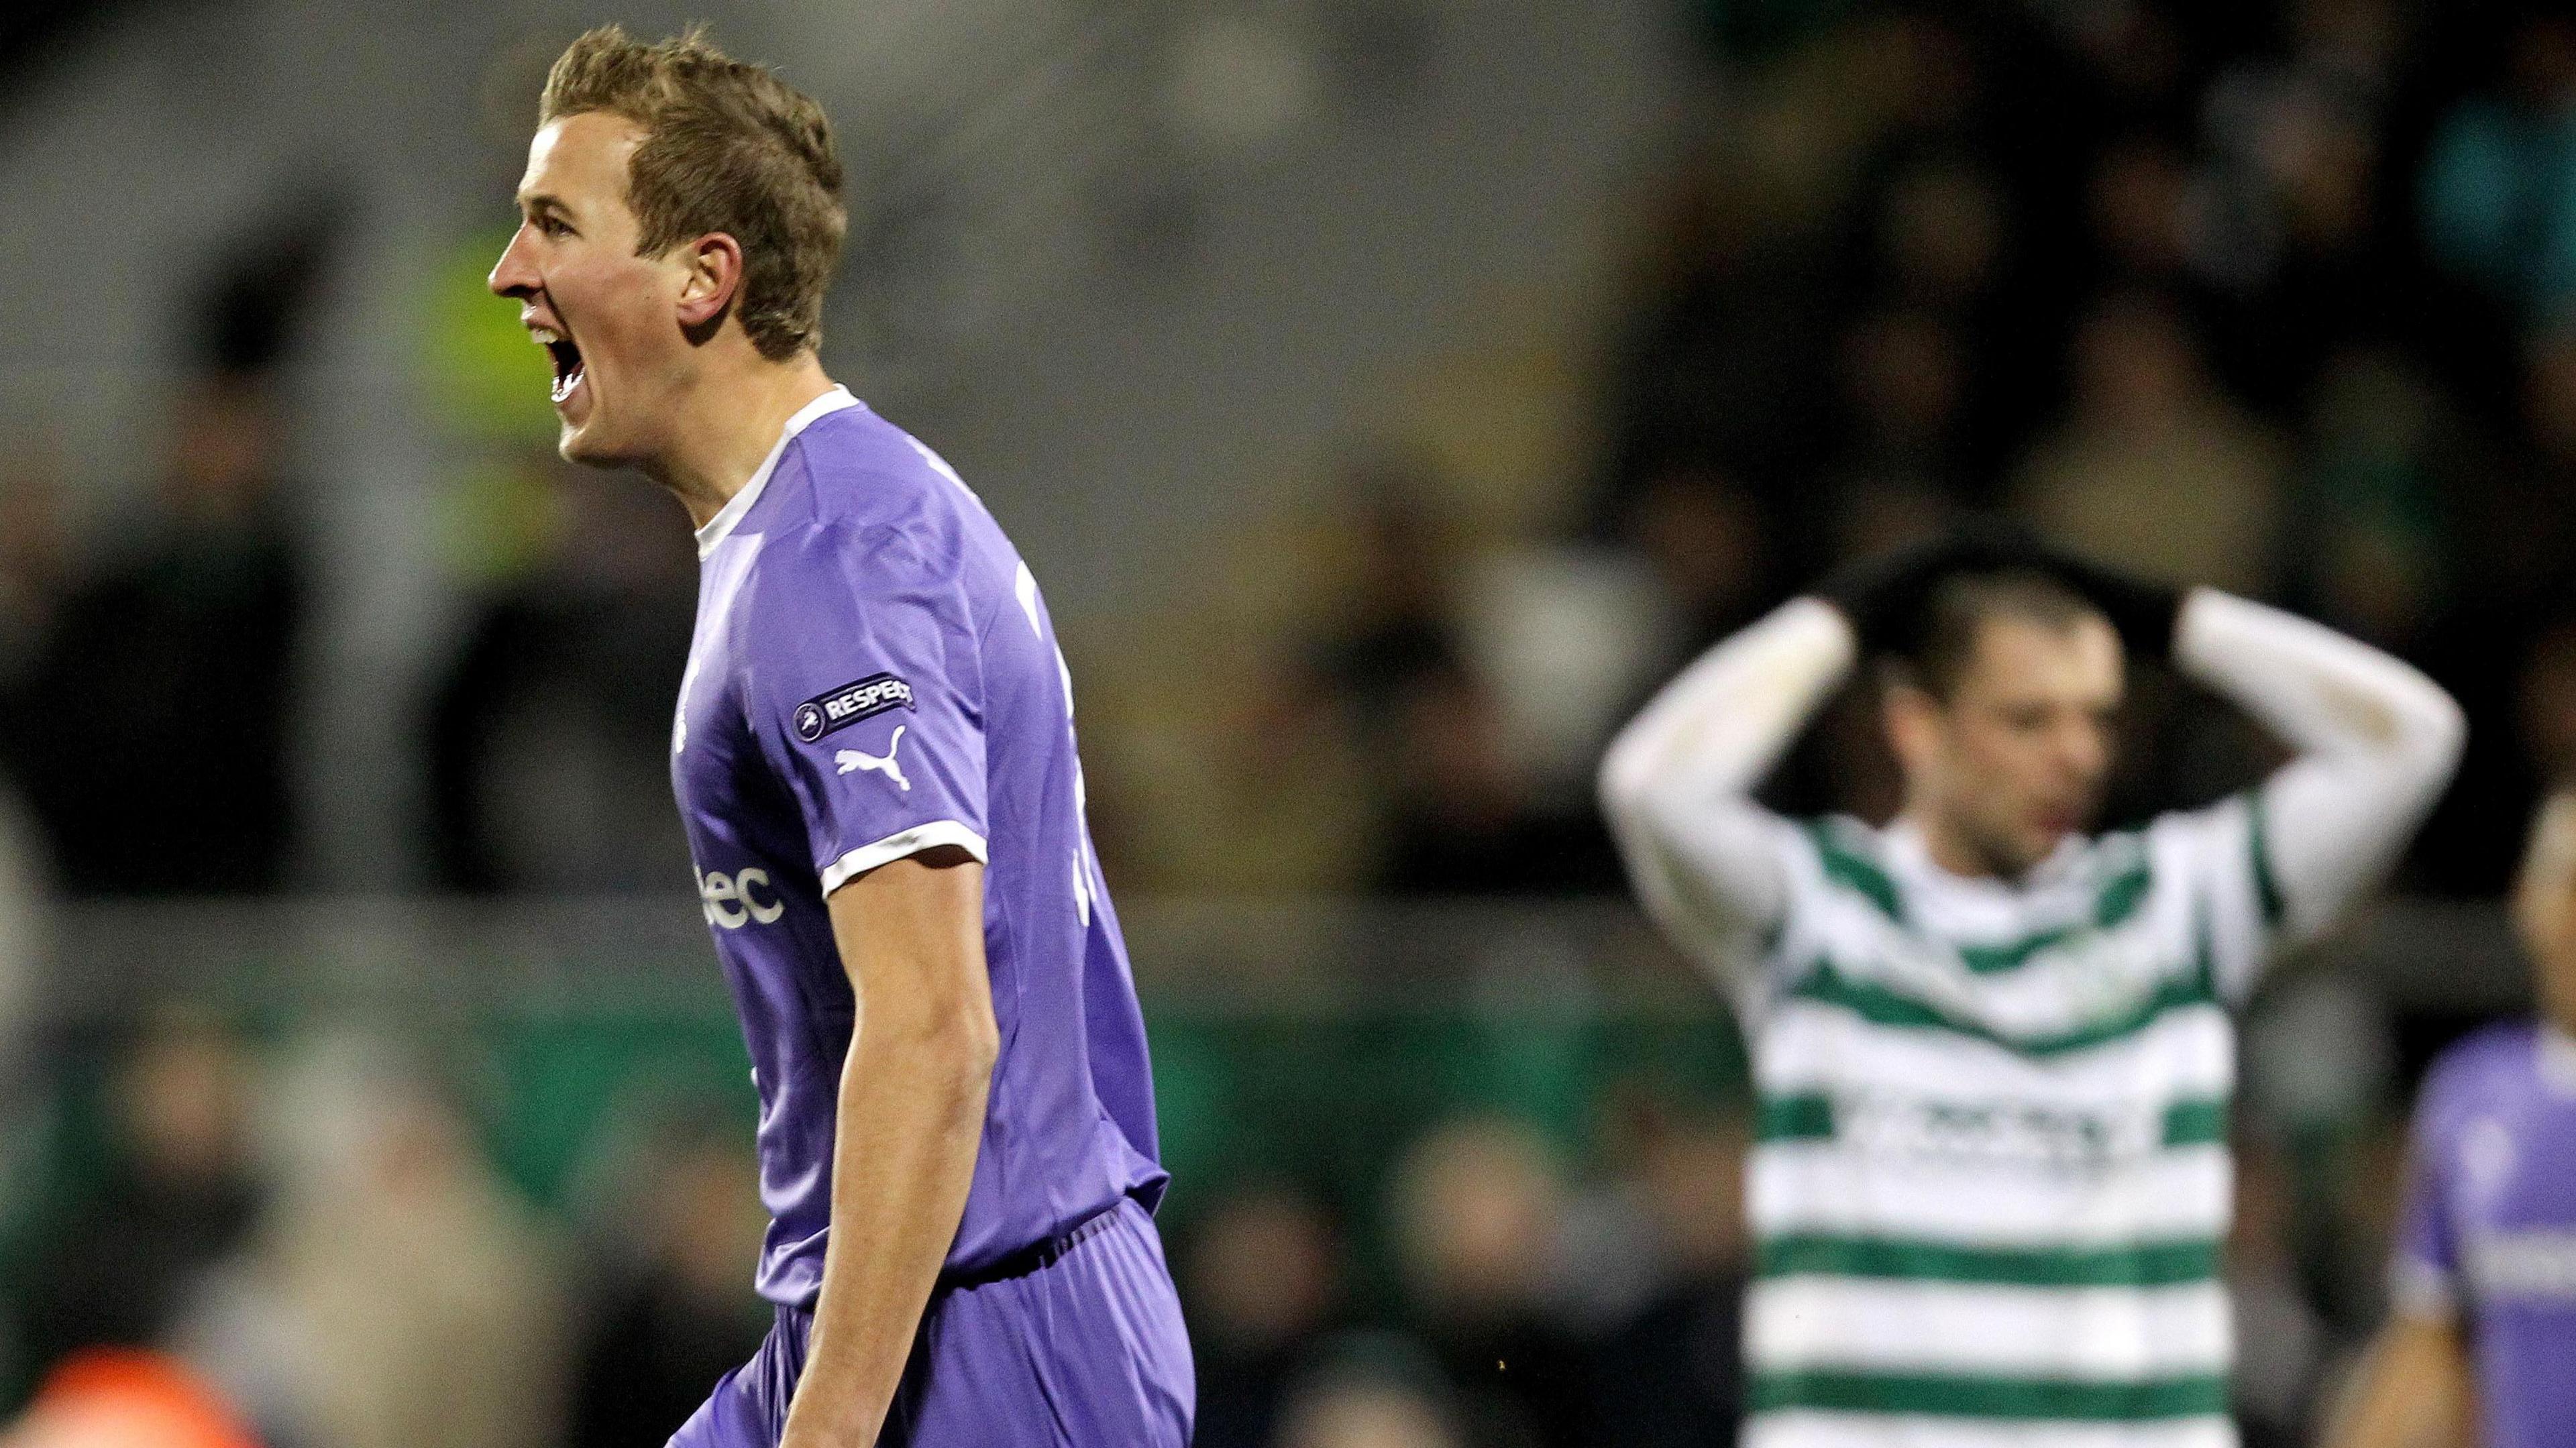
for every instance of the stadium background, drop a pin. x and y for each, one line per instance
(1388, 394)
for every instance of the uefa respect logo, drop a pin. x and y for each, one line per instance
(842, 707)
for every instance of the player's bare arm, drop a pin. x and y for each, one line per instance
(912, 1103)
(2411, 1390)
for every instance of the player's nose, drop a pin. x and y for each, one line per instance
(2085, 752)
(515, 274)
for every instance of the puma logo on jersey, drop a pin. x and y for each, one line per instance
(856, 759)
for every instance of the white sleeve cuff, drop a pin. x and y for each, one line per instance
(896, 846)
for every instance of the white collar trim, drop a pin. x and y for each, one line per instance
(722, 524)
(2557, 1060)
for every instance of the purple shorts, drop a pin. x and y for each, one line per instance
(1085, 1352)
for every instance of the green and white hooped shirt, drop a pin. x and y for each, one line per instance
(1991, 1176)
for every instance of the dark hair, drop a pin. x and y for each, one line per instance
(728, 147)
(1960, 606)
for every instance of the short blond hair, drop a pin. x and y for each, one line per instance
(728, 147)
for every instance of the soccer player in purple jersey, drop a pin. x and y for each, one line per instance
(874, 756)
(2480, 1345)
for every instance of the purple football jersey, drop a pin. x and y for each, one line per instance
(874, 675)
(2490, 1226)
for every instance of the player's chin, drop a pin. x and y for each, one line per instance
(584, 441)
(2041, 837)
(2035, 837)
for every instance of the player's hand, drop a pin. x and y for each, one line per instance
(1885, 598)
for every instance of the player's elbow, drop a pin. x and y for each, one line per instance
(952, 1044)
(2404, 731)
(2433, 738)
(1625, 784)
(1648, 814)
(953, 1065)
(970, 1042)
(2447, 732)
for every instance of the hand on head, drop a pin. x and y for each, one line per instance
(1886, 598)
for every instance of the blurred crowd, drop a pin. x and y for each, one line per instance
(313, 1235)
(156, 689)
(311, 1238)
(2279, 298)
(1540, 1306)
(2275, 298)
(2260, 297)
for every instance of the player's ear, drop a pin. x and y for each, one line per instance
(1909, 713)
(712, 281)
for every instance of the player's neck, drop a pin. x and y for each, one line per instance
(726, 426)
(1952, 852)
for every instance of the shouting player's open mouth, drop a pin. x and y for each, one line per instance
(567, 360)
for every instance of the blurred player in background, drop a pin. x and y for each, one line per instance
(874, 756)
(2480, 1345)
(1993, 1052)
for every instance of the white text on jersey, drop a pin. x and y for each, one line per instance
(731, 901)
